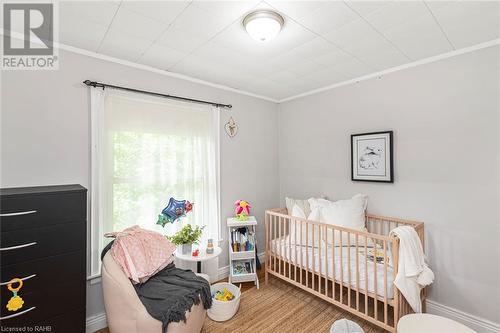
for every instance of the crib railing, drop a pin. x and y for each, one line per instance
(318, 258)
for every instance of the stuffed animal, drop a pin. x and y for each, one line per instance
(242, 210)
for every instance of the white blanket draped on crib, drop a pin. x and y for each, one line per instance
(413, 273)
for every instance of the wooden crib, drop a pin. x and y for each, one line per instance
(343, 275)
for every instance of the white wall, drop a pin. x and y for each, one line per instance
(45, 135)
(445, 118)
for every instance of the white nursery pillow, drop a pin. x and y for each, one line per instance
(302, 204)
(298, 212)
(295, 236)
(348, 213)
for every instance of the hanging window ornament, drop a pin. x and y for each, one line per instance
(231, 127)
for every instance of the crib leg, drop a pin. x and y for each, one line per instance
(266, 277)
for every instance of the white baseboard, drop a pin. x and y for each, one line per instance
(478, 324)
(95, 323)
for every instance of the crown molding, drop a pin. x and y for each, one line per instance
(159, 71)
(438, 57)
(128, 63)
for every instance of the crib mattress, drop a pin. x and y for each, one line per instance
(348, 260)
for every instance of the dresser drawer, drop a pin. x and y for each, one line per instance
(70, 322)
(35, 210)
(25, 245)
(41, 305)
(45, 273)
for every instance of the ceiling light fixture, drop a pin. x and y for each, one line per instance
(263, 25)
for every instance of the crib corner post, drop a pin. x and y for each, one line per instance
(395, 259)
(266, 257)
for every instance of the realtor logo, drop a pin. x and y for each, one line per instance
(28, 36)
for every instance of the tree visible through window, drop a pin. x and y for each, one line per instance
(146, 150)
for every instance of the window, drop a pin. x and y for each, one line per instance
(146, 150)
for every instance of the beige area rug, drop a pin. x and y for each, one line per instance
(280, 307)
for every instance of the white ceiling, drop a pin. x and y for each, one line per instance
(322, 42)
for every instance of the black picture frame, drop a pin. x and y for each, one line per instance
(388, 176)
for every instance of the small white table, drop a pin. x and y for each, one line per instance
(424, 322)
(202, 256)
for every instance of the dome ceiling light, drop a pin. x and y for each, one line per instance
(263, 25)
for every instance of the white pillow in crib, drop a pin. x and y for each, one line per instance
(302, 204)
(348, 213)
(295, 236)
(298, 212)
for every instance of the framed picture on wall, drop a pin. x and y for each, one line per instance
(372, 157)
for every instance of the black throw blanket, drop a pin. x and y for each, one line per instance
(171, 292)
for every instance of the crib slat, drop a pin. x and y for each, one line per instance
(295, 249)
(375, 281)
(385, 282)
(357, 273)
(349, 269)
(280, 257)
(341, 269)
(301, 246)
(334, 263)
(326, 261)
(289, 224)
(276, 240)
(366, 275)
(307, 254)
(313, 276)
(319, 255)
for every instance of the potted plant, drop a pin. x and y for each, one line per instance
(186, 237)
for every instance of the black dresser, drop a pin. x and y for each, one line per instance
(43, 242)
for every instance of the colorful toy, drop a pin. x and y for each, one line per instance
(224, 295)
(210, 246)
(15, 302)
(242, 210)
(174, 210)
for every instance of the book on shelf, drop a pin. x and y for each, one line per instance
(242, 267)
(242, 239)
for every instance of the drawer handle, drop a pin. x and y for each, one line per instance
(24, 279)
(17, 246)
(18, 314)
(18, 213)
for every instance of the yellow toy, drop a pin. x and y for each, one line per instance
(15, 302)
(224, 295)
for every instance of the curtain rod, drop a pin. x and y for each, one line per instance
(104, 85)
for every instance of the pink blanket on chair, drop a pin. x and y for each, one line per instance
(141, 253)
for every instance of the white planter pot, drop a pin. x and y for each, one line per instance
(187, 248)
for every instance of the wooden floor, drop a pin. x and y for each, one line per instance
(281, 307)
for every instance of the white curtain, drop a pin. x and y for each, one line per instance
(148, 149)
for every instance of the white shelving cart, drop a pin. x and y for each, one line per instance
(232, 225)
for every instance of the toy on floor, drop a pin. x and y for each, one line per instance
(15, 302)
(224, 295)
(174, 210)
(242, 210)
